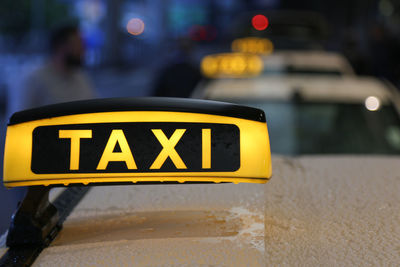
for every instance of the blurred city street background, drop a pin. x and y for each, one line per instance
(130, 43)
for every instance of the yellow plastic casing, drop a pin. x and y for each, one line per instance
(255, 157)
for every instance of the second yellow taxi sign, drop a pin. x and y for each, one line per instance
(262, 46)
(231, 65)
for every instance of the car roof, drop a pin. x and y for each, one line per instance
(312, 88)
(313, 206)
(312, 59)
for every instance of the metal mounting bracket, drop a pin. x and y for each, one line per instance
(34, 219)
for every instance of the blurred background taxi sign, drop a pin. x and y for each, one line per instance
(231, 65)
(137, 140)
(254, 45)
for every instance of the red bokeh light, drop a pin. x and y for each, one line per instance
(259, 22)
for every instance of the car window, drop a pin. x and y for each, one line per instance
(330, 128)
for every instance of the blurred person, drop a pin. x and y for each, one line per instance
(61, 78)
(180, 76)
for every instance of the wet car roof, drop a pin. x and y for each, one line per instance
(314, 211)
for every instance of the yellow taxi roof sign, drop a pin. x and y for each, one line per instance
(231, 65)
(256, 45)
(137, 140)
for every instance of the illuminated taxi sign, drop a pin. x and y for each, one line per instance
(137, 140)
(231, 65)
(253, 45)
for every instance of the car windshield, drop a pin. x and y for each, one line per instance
(330, 128)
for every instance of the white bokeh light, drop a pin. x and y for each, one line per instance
(135, 26)
(372, 103)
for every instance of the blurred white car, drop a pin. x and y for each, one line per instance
(313, 62)
(310, 114)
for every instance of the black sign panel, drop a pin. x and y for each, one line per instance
(52, 151)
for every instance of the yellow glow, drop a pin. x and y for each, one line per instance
(225, 65)
(254, 65)
(206, 147)
(135, 26)
(168, 150)
(238, 65)
(231, 65)
(372, 103)
(209, 66)
(117, 136)
(75, 137)
(253, 45)
(255, 157)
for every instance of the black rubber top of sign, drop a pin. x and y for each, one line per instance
(139, 104)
